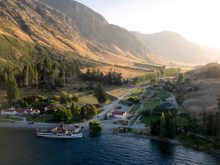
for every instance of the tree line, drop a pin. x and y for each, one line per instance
(44, 71)
(110, 78)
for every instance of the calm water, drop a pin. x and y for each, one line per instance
(21, 147)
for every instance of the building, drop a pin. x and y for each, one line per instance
(20, 111)
(119, 114)
(10, 111)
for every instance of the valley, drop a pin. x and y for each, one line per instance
(62, 63)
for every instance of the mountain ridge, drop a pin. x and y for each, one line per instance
(37, 23)
(174, 48)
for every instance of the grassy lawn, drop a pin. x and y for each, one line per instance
(88, 99)
(136, 92)
(117, 92)
(43, 119)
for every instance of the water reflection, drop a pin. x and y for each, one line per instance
(164, 148)
(26, 148)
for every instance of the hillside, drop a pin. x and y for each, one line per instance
(204, 82)
(173, 48)
(209, 71)
(28, 24)
(94, 27)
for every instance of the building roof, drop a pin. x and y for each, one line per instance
(118, 113)
(21, 110)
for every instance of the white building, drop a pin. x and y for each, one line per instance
(10, 111)
(20, 111)
(119, 114)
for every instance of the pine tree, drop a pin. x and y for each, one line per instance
(11, 87)
(100, 93)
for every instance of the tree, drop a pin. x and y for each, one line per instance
(63, 114)
(162, 125)
(88, 111)
(100, 93)
(218, 118)
(171, 125)
(94, 128)
(75, 109)
(217, 124)
(11, 87)
(180, 78)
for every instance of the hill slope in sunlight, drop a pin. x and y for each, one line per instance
(26, 24)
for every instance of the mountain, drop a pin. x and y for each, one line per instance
(66, 28)
(94, 27)
(173, 48)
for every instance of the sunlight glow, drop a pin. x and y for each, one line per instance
(197, 20)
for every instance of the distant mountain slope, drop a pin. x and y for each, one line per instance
(94, 27)
(27, 24)
(172, 47)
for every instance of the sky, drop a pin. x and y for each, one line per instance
(196, 20)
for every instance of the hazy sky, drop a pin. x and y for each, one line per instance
(197, 20)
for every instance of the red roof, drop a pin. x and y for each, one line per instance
(20, 110)
(118, 113)
(9, 110)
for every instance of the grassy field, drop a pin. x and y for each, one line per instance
(88, 99)
(136, 92)
(118, 91)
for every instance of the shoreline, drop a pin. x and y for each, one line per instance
(31, 126)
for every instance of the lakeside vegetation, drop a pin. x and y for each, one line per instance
(200, 134)
(95, 128)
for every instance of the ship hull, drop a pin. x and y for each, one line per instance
(60, 136)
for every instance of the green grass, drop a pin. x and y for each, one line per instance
(136, 92)
(88, 99)
(43, 119)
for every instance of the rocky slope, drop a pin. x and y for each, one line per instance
(94, 27)
(25, 24)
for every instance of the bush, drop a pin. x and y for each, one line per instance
(95, 128)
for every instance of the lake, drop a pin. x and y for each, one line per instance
(22, 147)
